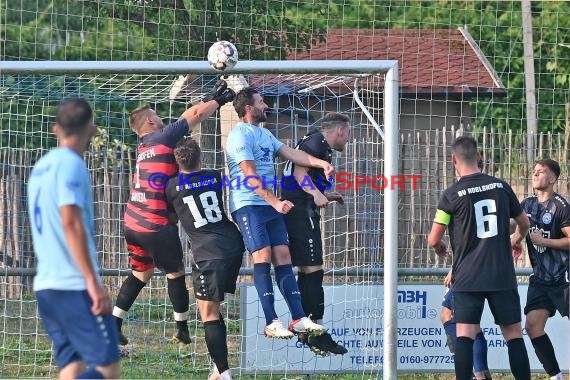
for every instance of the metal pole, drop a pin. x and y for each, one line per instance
(530, 90)
(391, 131)
(195, 67)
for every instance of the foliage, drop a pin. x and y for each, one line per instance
(267, 29)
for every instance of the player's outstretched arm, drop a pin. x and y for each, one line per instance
(299, 157)
(301, 175)
(217, 97)
(260, 188)
(76, 238)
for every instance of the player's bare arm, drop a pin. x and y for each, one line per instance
(254, 181)
(299, 157)
(448, 279)
(435, 239)
(523, 225)
(561, 243)
(76, 238)
(301, 175)
(334, 196)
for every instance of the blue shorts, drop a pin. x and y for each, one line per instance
(77, 334)
(448, 299)
(261, 226)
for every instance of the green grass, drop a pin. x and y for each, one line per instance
(26, 352)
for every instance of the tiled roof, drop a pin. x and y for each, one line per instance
(440, 61)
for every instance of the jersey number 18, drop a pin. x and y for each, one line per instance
(209, 201)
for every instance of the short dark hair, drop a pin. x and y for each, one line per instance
(244, 98)
(550, 164)
(333, 120)
(74, 115)
(465, 149)
(137, 116)
(187, 153)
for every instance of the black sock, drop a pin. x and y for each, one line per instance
(464, 358)
(545, 353)
(180, 300)
(518, 359)
(215, 334)
(313, 294)
(128, 293)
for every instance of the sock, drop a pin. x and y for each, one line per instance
(464, 358)
(128, 293)
(518, 359)
(545, 353)
(90, 373)
(264, 287)
(180, 300)
(226, 375)
(451, 332)
(215, 334)
(288, 287)
(313, 294)
(480, 353)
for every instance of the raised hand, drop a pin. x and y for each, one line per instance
(220, 93)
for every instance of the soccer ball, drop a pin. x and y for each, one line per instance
(222, 55)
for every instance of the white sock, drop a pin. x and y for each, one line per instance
(557, 377)
(226, 375)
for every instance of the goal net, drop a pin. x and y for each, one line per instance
(354, 239)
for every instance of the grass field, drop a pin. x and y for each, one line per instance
(25, 350)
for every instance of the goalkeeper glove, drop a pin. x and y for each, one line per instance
(220, 93)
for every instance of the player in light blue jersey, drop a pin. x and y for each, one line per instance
(74, 305)
(251, 151)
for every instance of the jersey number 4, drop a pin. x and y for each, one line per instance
(212, 212)
(486, 218)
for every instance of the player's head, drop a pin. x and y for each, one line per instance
(336, 129)
(464, 152)
(144, 120)
(250, 106)
(74, 119)
(188, 155)
(545, 174)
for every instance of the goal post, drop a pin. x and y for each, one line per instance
(388, 129)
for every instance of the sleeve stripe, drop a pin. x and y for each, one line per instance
(442, 217)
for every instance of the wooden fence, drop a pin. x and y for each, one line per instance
(352, 234)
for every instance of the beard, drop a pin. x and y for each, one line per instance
(259, 116)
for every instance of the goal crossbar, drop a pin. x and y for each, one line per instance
(338, 67)
(196, 67)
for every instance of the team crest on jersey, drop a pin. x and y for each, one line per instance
(545, 234)
(547, 218)
(265, 157)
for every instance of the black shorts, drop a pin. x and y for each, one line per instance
(505, 306)
(549, 297)
(213, 278)
(161, 249)
(305, 242)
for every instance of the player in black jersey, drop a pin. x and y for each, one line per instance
(548, 246)
(217, 245)
(305, 188)
(477, 209)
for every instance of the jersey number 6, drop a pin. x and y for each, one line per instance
(486, 218)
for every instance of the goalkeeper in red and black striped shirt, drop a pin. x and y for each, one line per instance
(151, 235)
